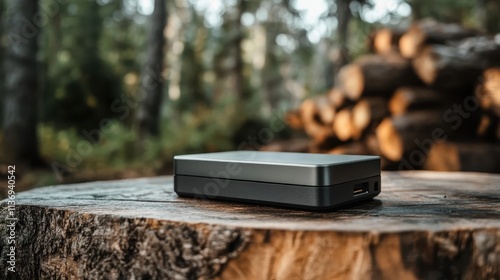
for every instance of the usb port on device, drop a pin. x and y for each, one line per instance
(360, 189)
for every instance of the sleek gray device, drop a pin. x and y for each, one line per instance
(297, 180)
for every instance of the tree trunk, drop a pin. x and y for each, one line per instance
(229, 64)
(20, 65)
(343, 17)
(194, 36)
(338, 49)
(416, 9)
(424, 225)
(272, 80)
(487, 15)
(239, 77)
(148, 115)
(481, 13)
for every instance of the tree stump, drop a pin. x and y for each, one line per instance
(424, 225)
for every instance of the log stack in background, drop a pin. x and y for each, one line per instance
(427, 98)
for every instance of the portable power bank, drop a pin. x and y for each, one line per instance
(297, 180)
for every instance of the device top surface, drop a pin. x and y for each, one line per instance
(279, 158)
(277, 167)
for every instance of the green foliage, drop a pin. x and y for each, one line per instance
(194, 94)
(75, 75)
(92, 54)
(201, 131)
(458, 11)
(118, 148)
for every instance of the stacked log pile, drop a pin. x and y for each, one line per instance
(427, 98)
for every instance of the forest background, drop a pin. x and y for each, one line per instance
(104, 89)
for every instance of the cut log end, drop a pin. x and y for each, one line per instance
(411, 42)
(425, 66)
(293, 120)
(367, 114)
(488, 91)
(342, 125)
(398, 103)
(351, 81)
(361, 115)
(336, 97)
(385, 40)
(390, 144)
(443, 157)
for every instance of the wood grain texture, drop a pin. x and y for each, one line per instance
(424, 225)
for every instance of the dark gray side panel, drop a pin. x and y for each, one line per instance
(293, 196)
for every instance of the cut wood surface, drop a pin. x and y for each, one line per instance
(294, 120)
(386, 40)
(479, 157)
(408, 99)
(488, 128)
(488, 90)
(342, 124)
(337, 98)
(325, 109)
(312, 122)
(424, 225)
(368, 112)
(371, 143)
(396, 136)
(431, 32)
(376, 75)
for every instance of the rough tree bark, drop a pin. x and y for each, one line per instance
(148, 115)
(20, 99)
(424, 225)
